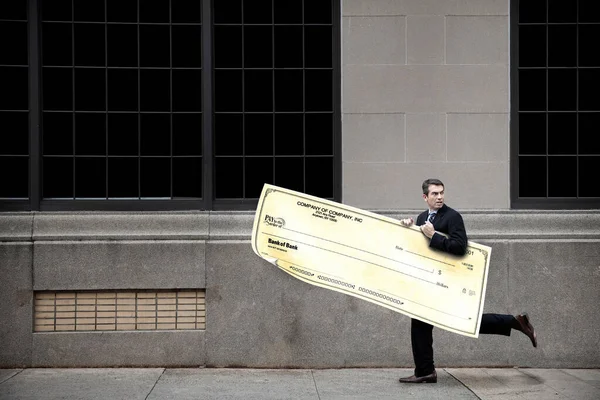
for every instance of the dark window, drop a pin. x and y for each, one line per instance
(275, 70)
(122, 100)
(14, 101)
(555, 106)
(167, 104)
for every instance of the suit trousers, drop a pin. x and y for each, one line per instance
(421, 335)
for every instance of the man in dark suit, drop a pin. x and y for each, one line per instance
(441, 218)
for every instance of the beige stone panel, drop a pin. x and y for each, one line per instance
(425, 39)
(477, 40)
(425, 88)
(374, 40)
(425, 137)
(424, 7)
(384, 186)
(478, 137)
(373, 137)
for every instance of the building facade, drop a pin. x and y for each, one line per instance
(136, 136)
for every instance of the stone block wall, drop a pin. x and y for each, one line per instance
(258, 316)
(425, 94)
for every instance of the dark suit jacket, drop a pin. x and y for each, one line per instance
(449, 221)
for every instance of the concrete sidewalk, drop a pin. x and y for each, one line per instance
(319, 384)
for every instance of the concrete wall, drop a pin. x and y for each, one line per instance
(425, 94)
(258, 316)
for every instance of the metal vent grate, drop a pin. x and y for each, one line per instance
(119, 311)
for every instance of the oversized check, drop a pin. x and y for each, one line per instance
(371, 257)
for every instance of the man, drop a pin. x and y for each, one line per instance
(439, 217)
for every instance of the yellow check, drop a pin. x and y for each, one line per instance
(371, 257)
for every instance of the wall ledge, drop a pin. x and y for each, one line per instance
(237, 225)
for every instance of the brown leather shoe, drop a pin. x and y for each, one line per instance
(431, 378)
(527, 328)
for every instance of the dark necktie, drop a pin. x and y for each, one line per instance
(431, 217)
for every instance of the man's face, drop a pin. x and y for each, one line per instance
(435, 198)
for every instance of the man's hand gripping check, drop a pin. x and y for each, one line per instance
(427, 228)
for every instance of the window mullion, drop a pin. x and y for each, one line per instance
(34, 109)
(207, 106)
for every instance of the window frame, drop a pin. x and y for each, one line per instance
(516, 202)
(36, 203)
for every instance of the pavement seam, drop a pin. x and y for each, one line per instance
(315, 382)
(153, 386)
(12, 376)
(468, 388)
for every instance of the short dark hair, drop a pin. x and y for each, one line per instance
(430, 181)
